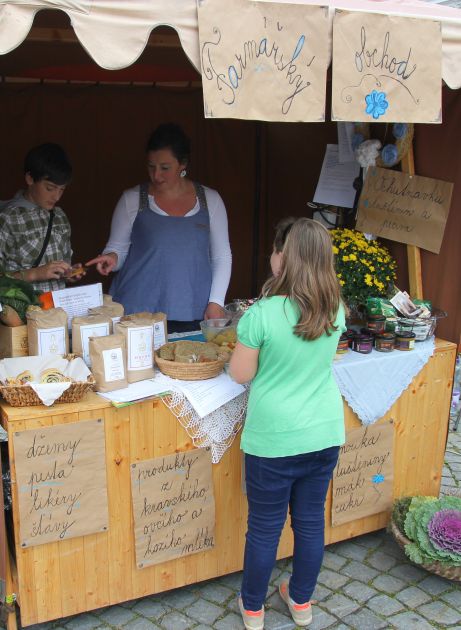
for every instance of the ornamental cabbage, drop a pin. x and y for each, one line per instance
(434, 528)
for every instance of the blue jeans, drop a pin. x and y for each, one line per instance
(273, 484)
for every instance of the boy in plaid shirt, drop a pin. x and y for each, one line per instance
(24, 222)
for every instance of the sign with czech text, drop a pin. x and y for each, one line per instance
(405, 208)
(386, 68)
(263, 60)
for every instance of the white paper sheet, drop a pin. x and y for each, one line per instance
(335, 185)
(77, 300)
(139, 390)
(206, 396)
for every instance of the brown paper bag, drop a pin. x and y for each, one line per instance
(139, 347)
(113, 310)
(87, 326)
(47, 331)
(160, 332)
(108, 362)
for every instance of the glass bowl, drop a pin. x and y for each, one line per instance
(222, 332)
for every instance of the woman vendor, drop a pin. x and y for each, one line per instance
(169, 240)
(34, 232)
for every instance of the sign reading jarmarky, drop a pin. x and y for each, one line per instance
(386, 68)
(405, 208)
(173, 506)
(363, 477)
(61, 480)
(263, 61)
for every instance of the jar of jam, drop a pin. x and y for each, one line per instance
(362, 343)
(404, 340)
(343, 344)
(369, 333)
(376, 323)
(350, 336)
(384, 342)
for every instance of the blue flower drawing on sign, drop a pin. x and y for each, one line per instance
(376, 104)
(377, 478)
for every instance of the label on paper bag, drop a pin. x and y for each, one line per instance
(159, 335)
(91, 330)
(114, 369)
(140, 356)
(51, 340)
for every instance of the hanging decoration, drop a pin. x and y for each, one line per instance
(370, 152)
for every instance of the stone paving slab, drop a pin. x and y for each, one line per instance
(365, 584)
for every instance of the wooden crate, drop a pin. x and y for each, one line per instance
(64, 578)
(13, 341)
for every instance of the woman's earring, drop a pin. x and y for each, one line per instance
(183, 173)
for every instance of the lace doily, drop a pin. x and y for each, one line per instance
(216, 430)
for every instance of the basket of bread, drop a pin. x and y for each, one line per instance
(191, 360)
(39, 380)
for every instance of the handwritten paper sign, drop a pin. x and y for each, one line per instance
(363, 477)
(404, 208)
(77, 300)
(173, 506)
(61, 478)
(386, 68)
(263, 61)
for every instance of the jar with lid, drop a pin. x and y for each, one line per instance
(376, 323)
(384, 342)
(362, 343)
(343, 344)
(404, 340)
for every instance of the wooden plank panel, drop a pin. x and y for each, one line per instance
(96, 547)
(121, 552)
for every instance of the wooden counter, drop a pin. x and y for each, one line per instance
(64, 578)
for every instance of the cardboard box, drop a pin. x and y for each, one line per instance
(13, 341)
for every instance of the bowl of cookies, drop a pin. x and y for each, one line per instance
(41, 380)
(222, 332)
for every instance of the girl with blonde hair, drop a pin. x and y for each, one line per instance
(295, 424)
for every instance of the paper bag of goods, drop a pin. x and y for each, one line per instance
(85, 327)
(108, 361)
(139, 348)
(113, 310)
(47, 331)
(158, 320)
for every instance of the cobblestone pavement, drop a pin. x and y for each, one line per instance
(365, 584)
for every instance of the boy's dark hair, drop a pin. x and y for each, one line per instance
(48, 161)
(170, 136)
(282, 230)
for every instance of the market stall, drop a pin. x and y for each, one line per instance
(396, 416)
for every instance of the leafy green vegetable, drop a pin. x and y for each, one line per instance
(18, 294)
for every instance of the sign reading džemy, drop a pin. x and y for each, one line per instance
(61, 480)
(405, 208)
(173, 506)
(363, 477)
(386, 68)
(263, 60)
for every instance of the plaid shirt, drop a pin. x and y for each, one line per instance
(23, 227)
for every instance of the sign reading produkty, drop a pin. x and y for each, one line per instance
(173, 506)
(405, 208)
(61, 480)
(263, 61)
(363, 477)
(386, 68)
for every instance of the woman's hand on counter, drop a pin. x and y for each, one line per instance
(214, 311)
(105, 263)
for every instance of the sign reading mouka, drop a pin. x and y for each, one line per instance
(263, 60)
(386, 68)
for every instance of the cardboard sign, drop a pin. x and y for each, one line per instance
(363, 477)
(405, 208)
(61, 478)
(386, 68)
(263, 61)
(173, 506)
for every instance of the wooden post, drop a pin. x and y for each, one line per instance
(413, 252)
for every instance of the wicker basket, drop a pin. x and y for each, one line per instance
(24, 395)
(189, 371)
(448, 572)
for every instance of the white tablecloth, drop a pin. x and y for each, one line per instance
(371, 383)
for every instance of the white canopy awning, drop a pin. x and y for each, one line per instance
(115, 32)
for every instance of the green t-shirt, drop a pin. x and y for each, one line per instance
(294, 405)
